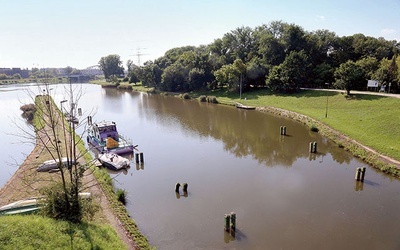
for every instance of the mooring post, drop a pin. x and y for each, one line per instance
(233, 221)
(313, 147)
(227, 222)
(141, 158)
(137, 157)
(358, 174)
(177, 185)
(283, 130)
(185, 187)
(363, 173)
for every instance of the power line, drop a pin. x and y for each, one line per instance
(138, 54)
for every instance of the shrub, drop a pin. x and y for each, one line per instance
(203, 98)
(185, 96)
(61, 205)
(28, 111)
(121, 196)
(212, 99)
(314, 128)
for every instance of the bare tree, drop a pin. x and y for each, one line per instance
(62, 161)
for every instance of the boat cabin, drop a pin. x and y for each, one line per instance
(104, 130)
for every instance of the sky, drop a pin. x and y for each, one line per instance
(77, 33)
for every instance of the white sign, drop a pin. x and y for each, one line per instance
(372, 84)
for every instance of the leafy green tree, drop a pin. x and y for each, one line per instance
(256, 72)
(323, 73)
(68, 70)
(196, 79)
(174, 78)
(350, 76)
(277, 80)
(292, 73)
(111, 65)
(228, 76)
(369, 65)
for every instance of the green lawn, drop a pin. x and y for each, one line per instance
(37, 232)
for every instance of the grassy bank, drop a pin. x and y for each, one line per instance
(37, 232)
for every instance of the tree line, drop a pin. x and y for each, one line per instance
(279, 56)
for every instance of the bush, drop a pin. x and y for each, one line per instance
(212, 99)
(314, 128)
(28, 111)
(121, 196)
(58, 206)
(185, 96)
(203, 98)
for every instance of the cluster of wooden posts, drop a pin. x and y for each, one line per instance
(139, 157)
(184, 187)
(360, 172)
(230, 222)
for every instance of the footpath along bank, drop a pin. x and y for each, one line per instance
(26, 182)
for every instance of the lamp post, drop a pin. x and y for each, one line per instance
(326, 108)
(63, 124)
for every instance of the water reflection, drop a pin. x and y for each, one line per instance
(244, 133)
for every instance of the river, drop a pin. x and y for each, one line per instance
(233, 161)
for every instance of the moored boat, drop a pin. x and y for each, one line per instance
(105, 138)
(113, 161)
(30, 206)
(241, 106)
(51, 165)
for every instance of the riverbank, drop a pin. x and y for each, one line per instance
(26, 182)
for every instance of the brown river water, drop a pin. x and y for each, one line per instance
(233, 161)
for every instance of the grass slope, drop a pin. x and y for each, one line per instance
(37, 232)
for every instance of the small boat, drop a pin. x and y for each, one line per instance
(241, 106)
(52, 165)
(113, 161)
(106, 139)
(29, 206)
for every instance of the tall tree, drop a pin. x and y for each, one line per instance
(350, 76)
(111, 65)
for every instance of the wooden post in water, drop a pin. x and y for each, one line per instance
(313, 147)
(360, 174)
(363, 173)
(283, 130)
(177, 186)
(137, 157)
(233, 222)
(185, 187)
(227, 222)
(141, 157)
